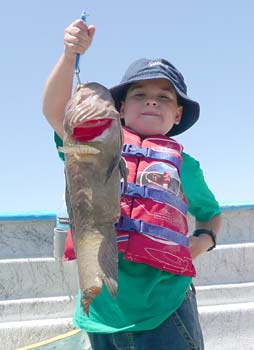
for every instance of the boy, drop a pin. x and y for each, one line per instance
(154, 309)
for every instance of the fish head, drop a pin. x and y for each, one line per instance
(90, 110)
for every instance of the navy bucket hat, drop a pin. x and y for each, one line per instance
(146, 69)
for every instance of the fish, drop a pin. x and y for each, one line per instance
(94, 169)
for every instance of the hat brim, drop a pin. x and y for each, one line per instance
(191, 108)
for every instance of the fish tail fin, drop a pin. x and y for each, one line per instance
(108, 260)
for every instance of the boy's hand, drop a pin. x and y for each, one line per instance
(199, 245)
(77, 39)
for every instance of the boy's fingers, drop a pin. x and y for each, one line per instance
(79, 23)
(78, 37)
(77, 32)
(80, 33)
(91, 32)
(77, 28)
(74, 41)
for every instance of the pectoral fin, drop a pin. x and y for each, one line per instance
(112, 166)
(124, 173)
(79, 149)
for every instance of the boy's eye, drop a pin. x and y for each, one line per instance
(164, 98)
(140, 94)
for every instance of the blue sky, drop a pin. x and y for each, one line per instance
(211, 43)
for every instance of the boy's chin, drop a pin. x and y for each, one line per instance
(151, 130)
(148, 132)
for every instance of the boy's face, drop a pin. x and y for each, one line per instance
(151, 108)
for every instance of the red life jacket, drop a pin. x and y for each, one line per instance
(153, 225)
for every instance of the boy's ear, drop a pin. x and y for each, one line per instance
(179, 115)
(122, 109)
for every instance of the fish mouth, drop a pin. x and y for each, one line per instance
(90, 129)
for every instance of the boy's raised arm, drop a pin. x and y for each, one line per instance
(58, 88)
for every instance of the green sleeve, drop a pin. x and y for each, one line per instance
(201, 201)
(59, 143)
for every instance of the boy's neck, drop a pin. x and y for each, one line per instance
(140, 135)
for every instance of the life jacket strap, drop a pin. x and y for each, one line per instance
(127, 224)
(157, 195)
(135, 151)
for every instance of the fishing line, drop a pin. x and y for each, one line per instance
(77, 69)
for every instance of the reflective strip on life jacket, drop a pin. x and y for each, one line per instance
(122, 238)
(127, 224)
(132, 150)
(134, 190)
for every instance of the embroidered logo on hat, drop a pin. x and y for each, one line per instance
(157, 63)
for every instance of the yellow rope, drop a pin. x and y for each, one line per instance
(51, 340)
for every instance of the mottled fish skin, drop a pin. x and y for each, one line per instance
(93, 189)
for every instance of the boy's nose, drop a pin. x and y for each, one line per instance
(151, 102)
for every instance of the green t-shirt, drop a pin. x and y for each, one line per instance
(147, 296)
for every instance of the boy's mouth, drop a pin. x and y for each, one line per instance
(149, 117)
(151, 113)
